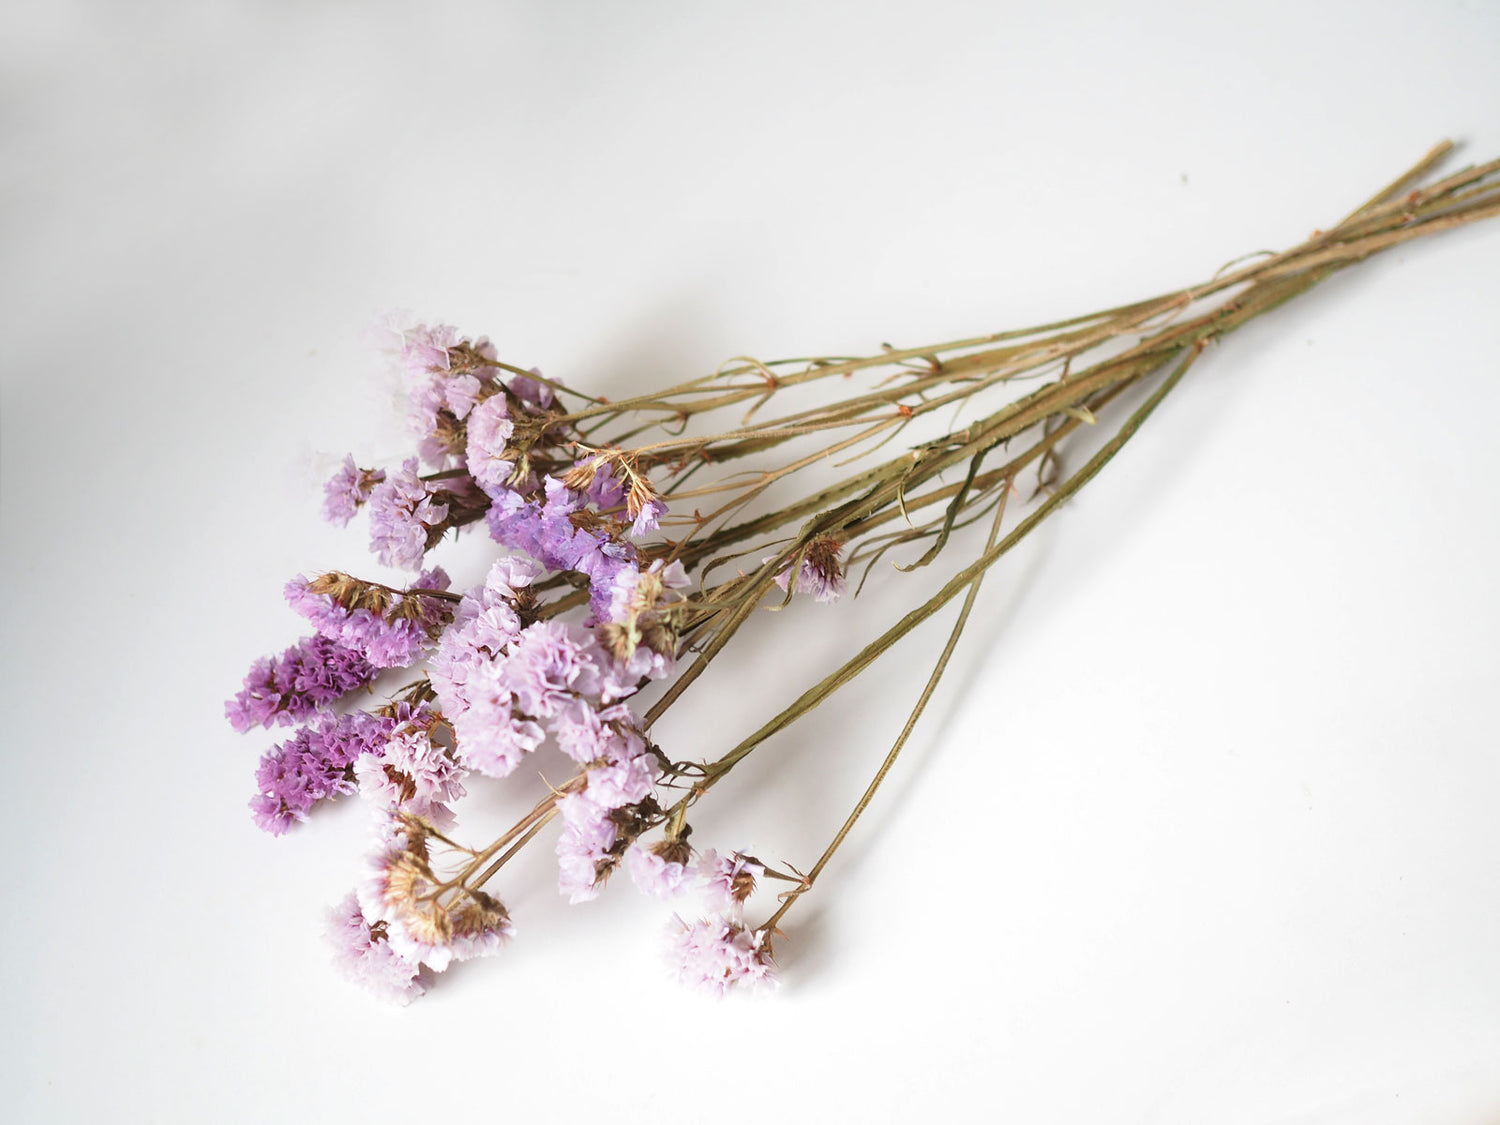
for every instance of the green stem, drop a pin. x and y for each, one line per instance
(890, 759)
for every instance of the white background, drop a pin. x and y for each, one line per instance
(1202, 827)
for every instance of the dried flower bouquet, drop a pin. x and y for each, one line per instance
(637, 537)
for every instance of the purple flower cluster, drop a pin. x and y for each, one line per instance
(504, 683)
(504, 676)
(554, 530)
(442, 393)
(396, 635)
(281, 690)
(412, 773)
(403, 516)
(489, 429)
(622, 775)
(819, 572)
(348, 490)
(317, 762)
(421, 349)
(713, 954)
(728, 881)
(637, 601)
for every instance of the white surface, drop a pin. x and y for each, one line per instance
(1201, 829)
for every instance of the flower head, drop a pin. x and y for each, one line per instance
(489, 429)
(820, 572)
(363, 955)
(316, 763)
(662, 870)
(280, 690)
(424, 921)
(348, 489)
(718, 954)
(412, 773)
(403, 515)
(585, 849)
(728, 880)
(391, 629)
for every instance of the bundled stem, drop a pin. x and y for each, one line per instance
(954, 372)
(650, 449)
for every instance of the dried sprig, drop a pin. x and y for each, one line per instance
(613, 509)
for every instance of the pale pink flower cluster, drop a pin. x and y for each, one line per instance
(655, 875)
(727, 881)
(397, 897)
(718, 954)
(413, 774)
(621, 772)
(367, 959)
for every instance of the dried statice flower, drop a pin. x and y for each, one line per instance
(281, 690)
(364, 956)
(493, 732)
(585, 849)
(392, 629)
(586, 733)
(560, 531)
(601, 488)
(412, 774)
(316, 763)
(820, 572)
(461, 393)
(637, 630)
(427, 920)
(627, 773)
(662, 870)
(403, 516)
(575, 489)
(728, 881)
(485, 622)
(489, 431)
(400, 890)
(348, 490)
(718, 954)
(648, 519)
(481, 925)
(445, 388)
(422, 349)
(533, 390)
(551, 664)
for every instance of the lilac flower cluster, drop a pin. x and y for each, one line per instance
(505, 677)
(662, 871)
(505, 682)
(464, 419)
(819, 571)
(404, 514)
(317, 762)
(413, 773)
(390, 631)
(485, 451)
(554, 528)
(348, 491)
(281, 690)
